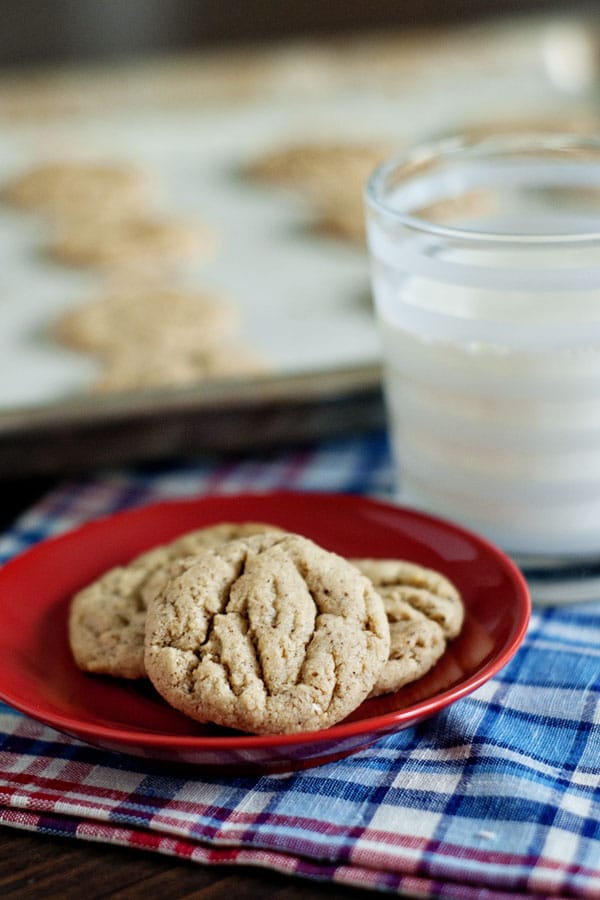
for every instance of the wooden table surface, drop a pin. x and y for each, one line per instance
(34, 866)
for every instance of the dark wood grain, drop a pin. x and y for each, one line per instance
(34, 866)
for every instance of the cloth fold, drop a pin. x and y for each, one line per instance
(496, 796)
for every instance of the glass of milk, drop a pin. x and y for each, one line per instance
(485, 263)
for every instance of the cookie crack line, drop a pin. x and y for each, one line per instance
(239, 570)
(260, 669)
(304, 572)
(248, 632)
(369, 622)
(190, 672)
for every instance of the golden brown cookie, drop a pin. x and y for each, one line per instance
(68, 188)
(270, 634)
(136, 242)
(107, 618)
(424, 611)
(139, 320)
(332, 176)
(309, 163)
(193, 542)
(424, 589)
(139, 369)
(416, 644)
(341, 213)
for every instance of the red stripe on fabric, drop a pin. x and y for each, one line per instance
(297, 466)
(47, 802)
(146, 840)
(72, 772)
(214, 482)
(19, 817)
(51, 785)
(495, 857)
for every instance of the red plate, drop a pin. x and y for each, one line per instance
(39, 678)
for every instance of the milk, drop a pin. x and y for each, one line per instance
(492, 361)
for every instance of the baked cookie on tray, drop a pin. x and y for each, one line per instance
(268, 634)
(157, 337)
(331, 175)
(305, 164)
(424, 611)
(69, 189)
(107, 618)
(140, 369)
(138, 319)
(136, 242)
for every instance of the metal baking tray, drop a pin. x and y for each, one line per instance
(225, 417)
(303, 298)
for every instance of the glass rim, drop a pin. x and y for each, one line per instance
(462, 146)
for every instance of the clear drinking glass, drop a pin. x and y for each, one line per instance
(485, 263)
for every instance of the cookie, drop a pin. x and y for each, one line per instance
(135, 320)
(192, 542)
(107, 618)
(307, 164)
(67, 189)
(341, 214)
(139, 369)
(416, 644)
(424, 611)
(341, 210)
(426, 590)
(158, 338)
(138, 242)
(332, 176)
(270, 634)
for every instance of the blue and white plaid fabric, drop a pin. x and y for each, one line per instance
(497, 796)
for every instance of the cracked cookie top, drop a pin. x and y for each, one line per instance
(107, 618)
(267, 634)
(69, 187)
(416, 644)
(424, 611)
(424, 589)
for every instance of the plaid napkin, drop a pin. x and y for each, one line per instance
(497, 796)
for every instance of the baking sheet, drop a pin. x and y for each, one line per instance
(303, 299)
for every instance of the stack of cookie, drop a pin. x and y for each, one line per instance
(143, 331)
(256, 629)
